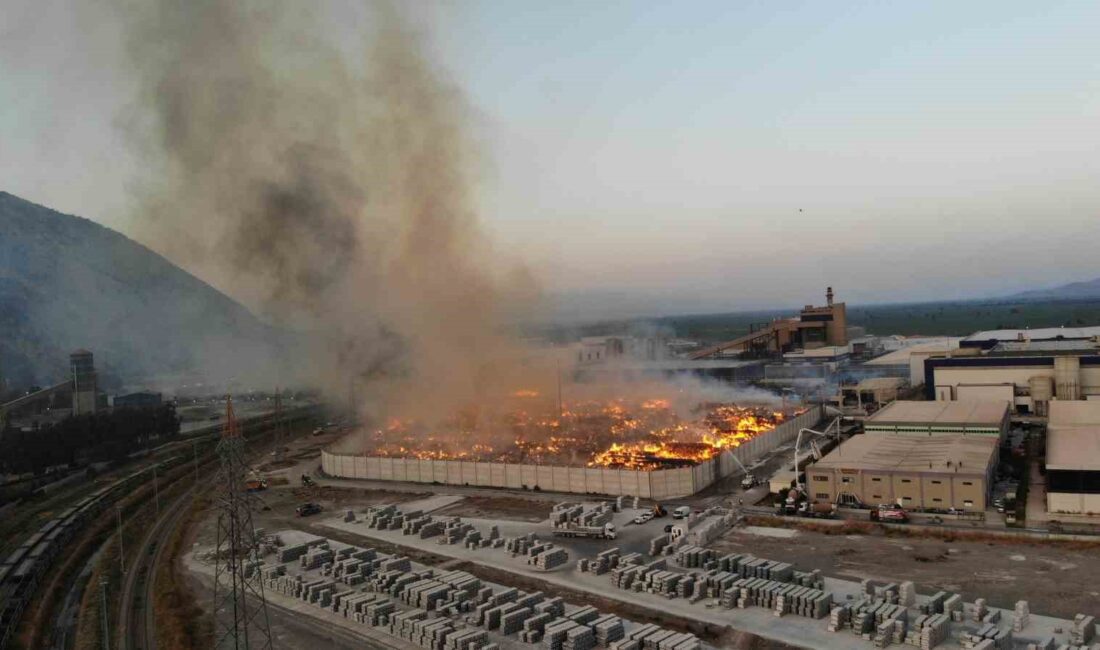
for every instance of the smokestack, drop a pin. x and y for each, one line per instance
(829, 296)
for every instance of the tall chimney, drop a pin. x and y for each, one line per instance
(829, 296)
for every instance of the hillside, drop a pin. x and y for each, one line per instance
(67, 282)
(1088, 289)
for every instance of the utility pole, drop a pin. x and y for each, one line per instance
(103, 610)
(557, 366)
(240, 609)
(121, 560)
(156, 489)
(195, 455)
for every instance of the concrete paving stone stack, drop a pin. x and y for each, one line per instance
(608, 628)
(622, 577)
(531, 599)
(553, 635)
(907, 594)
(1084, 629)
(472, 539)
(314, 558)
(399, 563)
(992, 616)
(582, 565)
(467, 639)
(686, 587)
(884, 634)
(291, 553)
(1046, 644)
(952, 607)
(932, 631)
(978, 612)
(550, 559)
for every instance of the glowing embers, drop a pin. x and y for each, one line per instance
(641, 435)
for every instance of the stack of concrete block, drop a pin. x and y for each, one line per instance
(553, 606)
(840, 617)
(867, 615)
(379, 516)
(396, 563)
(692, 557)
(1021, 616)
(809, 579)
(520, 545)
(455, 531)
(952, 607)
(766, 569)
(686, 588)
(579, 638)
(980, 610)
(651, 637)
(315, 557)
(987, 636)
(781, 597)
(583, 615)
(619, 503)
(291, 553)
(934, 604)
(1084, 629)
(884, 633)
(413, 526)
(604, 561)
(468, 639)
(1046, 644)
(533, 627)
(512, 622)
(635, 503)
(716, 582)
(658, 544)
(554, 634)
(472, 539)
(928, 631)
(550, 559)
(907, 594)
(608, 628)
(538, 547)
(630, 558)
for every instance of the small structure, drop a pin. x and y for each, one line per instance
(925, 472)
(870, 394)
(921, 419)
(140, 399)
(1073, 458)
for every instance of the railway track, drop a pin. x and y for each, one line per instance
(137, 615)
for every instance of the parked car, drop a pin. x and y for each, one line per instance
(307, 509)
(644, 517)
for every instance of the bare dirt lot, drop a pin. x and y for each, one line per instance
(514, 508)
(1059, 580)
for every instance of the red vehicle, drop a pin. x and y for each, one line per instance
(890, 514)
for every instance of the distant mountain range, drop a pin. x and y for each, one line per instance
(67, 283)
(1071, 291)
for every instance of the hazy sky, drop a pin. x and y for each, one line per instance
(699, 156)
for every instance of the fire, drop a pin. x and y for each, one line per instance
(644, 434)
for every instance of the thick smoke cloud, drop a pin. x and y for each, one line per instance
(332, 193)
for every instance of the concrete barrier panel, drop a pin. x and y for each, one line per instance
(513, 476)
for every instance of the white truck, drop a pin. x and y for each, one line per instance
(570, 529)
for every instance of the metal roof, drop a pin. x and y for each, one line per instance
(937, 454)
(1035, 334)
(977, 413)
(901, 357)
(1073, 436)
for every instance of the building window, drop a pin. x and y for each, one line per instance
(821, 495)
(876, 496)
(846, 479)
(905, 480)
(819, 477)
(877, 480)
(907, 498)
(938, 500)
(968, 504)
(968, 483)
(937, 482)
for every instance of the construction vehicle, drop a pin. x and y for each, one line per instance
(659, 511)
(307, 480)
(890, 514)
(790, 504)
(255, 484)
(572, 529)
(682, 512)
(749, 481)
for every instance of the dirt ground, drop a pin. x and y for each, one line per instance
(514, 508)
(1058, 581)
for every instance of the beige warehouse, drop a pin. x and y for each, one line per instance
(936, 472)
(1073, 458)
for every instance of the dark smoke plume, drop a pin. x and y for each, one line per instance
(333, 194)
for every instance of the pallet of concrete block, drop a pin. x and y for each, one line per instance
(315, 556)
(607, 628)
(716, 582)
(291, 553)
(658, 544)
(604, 561)
(766, 569)
(802, 601)
(867, 615)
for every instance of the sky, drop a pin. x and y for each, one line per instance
(695, 156)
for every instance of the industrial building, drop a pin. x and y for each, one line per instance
(917, 472)
(908, 359)
(987, 419)
(1073, 458)
(1029, 368)
(869, 395)
(815, 327)
(140, 399)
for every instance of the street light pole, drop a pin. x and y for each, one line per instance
(156, 489)
(121, 560)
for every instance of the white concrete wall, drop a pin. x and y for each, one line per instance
(1077, 504)
(657, 484)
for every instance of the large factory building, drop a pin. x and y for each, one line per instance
(921, 455)
(1029, 368)
(1073, 458)
(814, 328)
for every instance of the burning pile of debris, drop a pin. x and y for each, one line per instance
(619, 433)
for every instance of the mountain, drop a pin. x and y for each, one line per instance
(1071, 291)
(67, 283)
